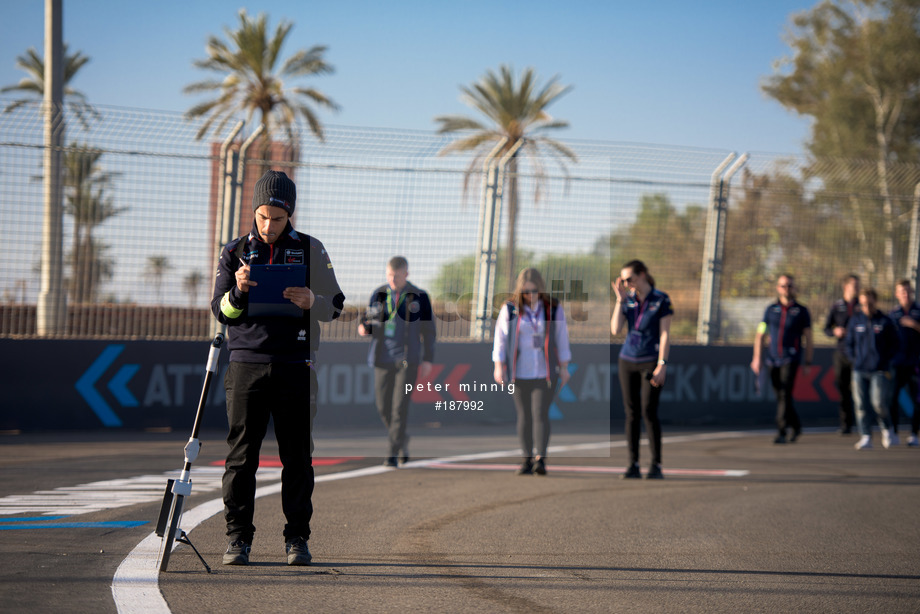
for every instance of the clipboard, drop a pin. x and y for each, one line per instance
(267, 298)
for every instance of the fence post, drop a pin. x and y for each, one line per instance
(226, 165)
(708, 324)
(913, 247)
(236, 198)
(51, 308)
(484, 266)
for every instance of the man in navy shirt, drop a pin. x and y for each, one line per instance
(872, 342)
(271, 373)
(785, 324)
(401, 322)
(836, 326)
(907, 318)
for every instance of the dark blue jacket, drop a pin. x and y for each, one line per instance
(871, 343)
(909, 350)
(414, 333)
(839, 315)
(268, 339)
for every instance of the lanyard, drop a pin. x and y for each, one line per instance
(531, 316)
(643, 305)
(390, 303)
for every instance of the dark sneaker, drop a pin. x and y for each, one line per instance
(237, 553)
(297, 551)
(526, 468)
(795, 435)
(780, 439)
(539, 467)
(405, 452)
(654, 473)
(389, 461)
(633, 473)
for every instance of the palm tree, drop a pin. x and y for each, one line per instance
(85, 185)
(191, 283)
(34, 84)
(91, 267)
(156, 269)
(517, 112)
(250, 84)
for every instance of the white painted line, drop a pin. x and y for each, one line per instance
(135, 587)
(110, 494)
(586, 469)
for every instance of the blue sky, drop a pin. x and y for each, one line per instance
(666, 72)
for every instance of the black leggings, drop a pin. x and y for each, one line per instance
(640, 397)
(532, 398)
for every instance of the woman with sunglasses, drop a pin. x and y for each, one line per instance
(531, 350)
(643, 363)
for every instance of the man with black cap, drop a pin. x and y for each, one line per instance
(271, 368)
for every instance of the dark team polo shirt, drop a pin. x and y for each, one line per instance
(909, 350)
(643, 321)
(785, 326)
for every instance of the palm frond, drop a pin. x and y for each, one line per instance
(248, 56)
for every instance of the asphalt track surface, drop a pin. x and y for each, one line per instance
(737, 525)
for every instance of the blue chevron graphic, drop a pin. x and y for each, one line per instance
(118, 385)
(85, 385)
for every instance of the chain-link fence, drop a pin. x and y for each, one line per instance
(142, 199)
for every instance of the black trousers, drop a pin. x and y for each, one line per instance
(532, 398)
(393, 402)
(783, 380)
(843, 379)
(640, 398)
(905, 375)
(255, 393)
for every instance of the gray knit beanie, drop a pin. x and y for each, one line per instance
(276, 189)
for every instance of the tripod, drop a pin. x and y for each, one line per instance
(177, 490)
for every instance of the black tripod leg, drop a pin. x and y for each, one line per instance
(169, 534)
(183, 539)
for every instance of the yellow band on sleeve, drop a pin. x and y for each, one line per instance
(228, 309)
(762, 328)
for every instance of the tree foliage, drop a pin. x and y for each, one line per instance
(252, 82)
(855, 71)
(33, 85)
(516, 110)
(157, 266)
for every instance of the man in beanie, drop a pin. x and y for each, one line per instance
(271, 368)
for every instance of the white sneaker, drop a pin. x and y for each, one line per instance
(913, 441)
(864, 443)
(886, 438)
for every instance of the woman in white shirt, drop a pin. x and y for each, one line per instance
(531, 351)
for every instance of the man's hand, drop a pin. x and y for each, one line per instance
(424, 370)
(840, 332)
(302, 297)
(242, 279)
